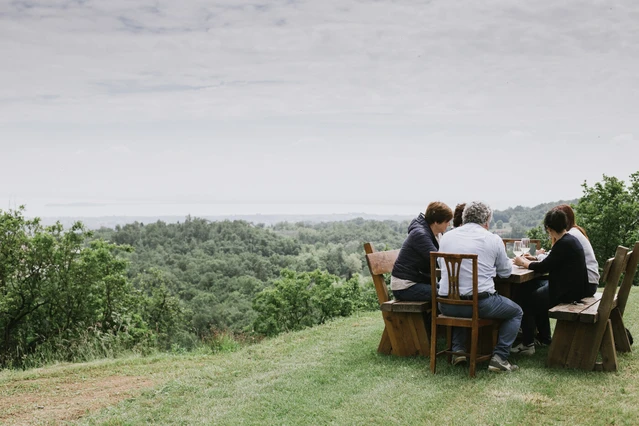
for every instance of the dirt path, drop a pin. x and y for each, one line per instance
(53, 400)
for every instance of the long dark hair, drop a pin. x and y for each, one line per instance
(570, 215)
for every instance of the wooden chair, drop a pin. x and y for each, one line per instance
(405, 332)
(506, 241)
(622, 343)
(585, 330)
(453, 265)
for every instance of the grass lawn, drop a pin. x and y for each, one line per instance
(327, 375)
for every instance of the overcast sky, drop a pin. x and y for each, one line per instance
(110, 105)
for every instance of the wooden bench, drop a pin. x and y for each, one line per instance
(622, 343)
(405, 332)
(583, 331)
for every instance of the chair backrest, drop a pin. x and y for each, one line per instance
(612, 273)
(380, 263)
(451, 267)
(629, 275)
(537, 243)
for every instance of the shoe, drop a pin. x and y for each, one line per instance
(542, 341)
(459, 359)
(501, 365)
(523, 349)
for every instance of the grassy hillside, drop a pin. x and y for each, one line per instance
(325, 375)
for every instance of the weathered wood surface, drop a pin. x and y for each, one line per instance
(405, 332)
(584, 331)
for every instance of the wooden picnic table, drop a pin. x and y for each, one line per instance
(508, 286)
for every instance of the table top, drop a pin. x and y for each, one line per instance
(519, 275)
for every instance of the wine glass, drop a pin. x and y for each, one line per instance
(525, 245)
(517, 249)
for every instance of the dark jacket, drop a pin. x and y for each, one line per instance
(566, 268)
(413, 261)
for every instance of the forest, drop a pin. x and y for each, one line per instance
(78, 294)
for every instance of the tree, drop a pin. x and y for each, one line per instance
(299, 300)
(609, 212)
(55, 285)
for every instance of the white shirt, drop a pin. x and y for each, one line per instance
(491, 258)
(591, 261)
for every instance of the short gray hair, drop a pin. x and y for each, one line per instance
(477, 212)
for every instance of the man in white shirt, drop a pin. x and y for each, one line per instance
(473, 237)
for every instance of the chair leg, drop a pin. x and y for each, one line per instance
(449, 342)
(474, 340)
(433, 346)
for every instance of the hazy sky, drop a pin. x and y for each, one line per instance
(106, 106)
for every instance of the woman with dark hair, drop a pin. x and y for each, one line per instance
(578, 232)
(457, 215)
(567, 280)
(410, 279)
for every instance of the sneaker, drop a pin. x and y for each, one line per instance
(501, 365)
(542, 341)
(459, 359)
(523, 349)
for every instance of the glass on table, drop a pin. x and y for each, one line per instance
(525, 245)
(517, 248)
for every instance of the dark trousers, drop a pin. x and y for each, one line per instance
(418, 292)
(534, 299)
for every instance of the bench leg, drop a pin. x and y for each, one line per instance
(419, 334)
(608, 352)
(394, 329)
(619, 331)
(561, 343)
(385, 344)
(407, 333)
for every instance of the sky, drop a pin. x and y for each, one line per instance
(129, 107)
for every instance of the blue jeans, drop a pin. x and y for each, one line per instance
(418, 292)
(494, 306)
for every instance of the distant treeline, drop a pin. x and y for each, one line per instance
(176, 286)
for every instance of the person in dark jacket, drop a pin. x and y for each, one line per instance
(410, 278)
(567, 280)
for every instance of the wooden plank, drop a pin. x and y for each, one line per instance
(401, 306)
(405, 326)
(566, 311)
(608, 352)
(384, 346)
(420, 334)
(569, 311)
(395, 334)
(622, 343)
(561, 342)
(590, 314)
(629, 275)
(593, 341)
(387, 306)
(583, 343)
(381, 262)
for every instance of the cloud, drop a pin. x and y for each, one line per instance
(409, 60)
(624, 139)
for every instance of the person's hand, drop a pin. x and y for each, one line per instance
(541, 251)
(530, 256)
(518, 260)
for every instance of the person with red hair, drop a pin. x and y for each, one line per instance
(578, 232)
